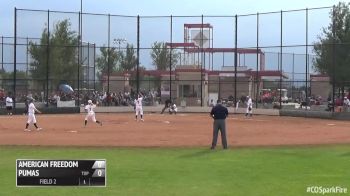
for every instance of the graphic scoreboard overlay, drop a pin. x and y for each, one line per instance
(37, 172)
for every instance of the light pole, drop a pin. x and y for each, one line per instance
(119, 41)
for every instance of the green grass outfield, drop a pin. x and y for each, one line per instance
(193, 171)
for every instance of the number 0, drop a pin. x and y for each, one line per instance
(99, 164)
(99, 172)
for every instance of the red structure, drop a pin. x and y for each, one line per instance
(196, 45)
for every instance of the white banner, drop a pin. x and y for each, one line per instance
(165, 93)
(61, 104)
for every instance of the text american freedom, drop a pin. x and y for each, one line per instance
(28, 166)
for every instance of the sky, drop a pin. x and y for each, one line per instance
(154, 7)
(158, 29)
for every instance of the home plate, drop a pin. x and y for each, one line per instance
(167, 122)
(330, 124)
(73, 131)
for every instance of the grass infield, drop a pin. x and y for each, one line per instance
(193, 171)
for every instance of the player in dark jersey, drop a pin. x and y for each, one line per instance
(167, 105)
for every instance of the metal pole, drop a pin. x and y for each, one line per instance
(81, 45)
(47, 58)
(109, 51)
(138, 56)
(2, 53)
(223, 59)
(94, 66)
(171, 52)
(15, 59)
(202, 61)
(333, 58)
(79, 58)
(27, 56)
(2, 59)
(219, 88)
(293, 76)
(88, 67)
(281, 52)
(306, 55)
(236, 56)
(257, 61)
(212, 46)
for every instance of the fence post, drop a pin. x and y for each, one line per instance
(333, 58)
(2, 53)
(306, 56)
(236, 56)
(293, 79)
(171, 54)
(109, 52)
(202, 61)
(257, 82)
(281, 67)
(88, 67)
(95, 66)
(79, 57)
(15, 59)
(47, 58)
(138, 56)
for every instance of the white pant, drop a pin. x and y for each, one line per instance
(91, 115)
(139, 110)
(172, 110)
(251, 111)
(31, 118)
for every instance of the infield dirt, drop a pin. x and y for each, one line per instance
(181, 130)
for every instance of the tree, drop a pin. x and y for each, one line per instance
(129, 61)
(102, 61)
(133, 76)
(161, 56)
(338, 71)
(62, 51)
(6, 80)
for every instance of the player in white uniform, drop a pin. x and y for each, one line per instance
(138, 107)
(173, 109)
(89, 108)
(249, 107)
(31, 115)
(9, 104)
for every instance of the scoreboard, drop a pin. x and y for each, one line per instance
(37, 172)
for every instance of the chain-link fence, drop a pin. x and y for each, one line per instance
(192, 60)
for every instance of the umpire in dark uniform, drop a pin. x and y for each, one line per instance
(167, 105)
(219, 113)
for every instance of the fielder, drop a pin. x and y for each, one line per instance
(31, 115)
(249, 107)
(173, 109)
(9, 104)
(90, 113)
(237, 104)
(138, 107)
